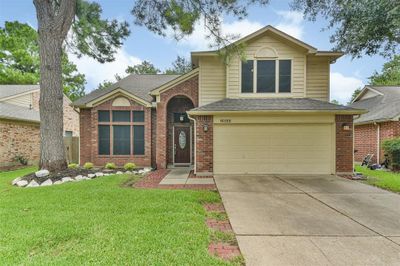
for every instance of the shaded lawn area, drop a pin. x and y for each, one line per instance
(380, 178)
(102, 222)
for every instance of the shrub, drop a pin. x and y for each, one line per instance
(130, 166)
(392, 149)
(88, 166)
(21, 159)
(110, 166)
(73, 165)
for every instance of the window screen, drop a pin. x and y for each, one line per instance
(138, 140)
(247, 76)
(104, 140)
(285, 69)
(266, 76)
(104, 116)
(121, 116)
(138, 116)
(122, 140)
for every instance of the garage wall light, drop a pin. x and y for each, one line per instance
(205, 127)
(346, 127)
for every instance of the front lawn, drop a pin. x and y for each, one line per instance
(102, 222)
(380, 178)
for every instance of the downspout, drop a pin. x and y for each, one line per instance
(195, 142)
(378, 153)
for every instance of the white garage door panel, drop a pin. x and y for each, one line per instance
(273, 148)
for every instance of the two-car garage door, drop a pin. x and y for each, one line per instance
(273, 148)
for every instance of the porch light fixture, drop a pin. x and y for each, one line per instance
(205, 127)
(346, 127)
(181, 117)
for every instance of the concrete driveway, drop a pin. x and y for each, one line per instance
(312, 220)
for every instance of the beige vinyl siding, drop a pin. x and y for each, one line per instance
(212, 80)
(274, 149)
(317, 82)
(368, 94)
(23, 100)
(284, 51)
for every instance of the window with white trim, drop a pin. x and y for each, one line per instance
(266, 76)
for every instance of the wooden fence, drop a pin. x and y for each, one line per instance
(71, 145)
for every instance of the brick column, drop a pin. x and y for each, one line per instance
(204, 145)
(161, 129)
(85, 135)
(344, 144)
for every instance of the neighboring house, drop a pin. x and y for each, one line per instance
(380, 123)
(20, 123)
(268, 114)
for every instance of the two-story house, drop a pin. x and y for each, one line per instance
(266, 113)
(20, 123)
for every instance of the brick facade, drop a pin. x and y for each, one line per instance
(19, 138)
(204, 145)
(344, 144)
(89, 136)
(189, 89)
(366, 139)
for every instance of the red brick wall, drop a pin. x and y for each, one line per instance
(366, 139)
(89, 137)
(19, 138)
(188, 88)
(204, 145)
(344, 144)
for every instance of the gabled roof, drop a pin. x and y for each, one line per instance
(11, 91)
(385, 106)
(15, 112)
(310, 49)
(273, 104)
(135, 84)
(175, 81)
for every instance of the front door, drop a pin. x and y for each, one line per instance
(182, 145)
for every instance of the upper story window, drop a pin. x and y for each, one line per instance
(266, 76)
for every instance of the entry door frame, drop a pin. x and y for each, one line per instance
(190, 145)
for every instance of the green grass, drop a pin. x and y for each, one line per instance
(104, 223)
(380, 178)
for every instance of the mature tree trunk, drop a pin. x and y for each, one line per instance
(54, 21)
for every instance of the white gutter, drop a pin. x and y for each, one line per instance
(378, 143)
(195, 143)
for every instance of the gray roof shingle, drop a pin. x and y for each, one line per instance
(381, 107)
(15, 112)
(139, 85)
(11, 90)
(271, 104)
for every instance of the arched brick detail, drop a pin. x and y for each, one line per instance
(189, 89)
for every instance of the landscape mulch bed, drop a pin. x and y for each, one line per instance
(71, 173)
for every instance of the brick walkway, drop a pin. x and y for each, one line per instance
(224, 250)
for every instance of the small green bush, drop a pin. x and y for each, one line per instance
(130, 166)
(88, 166)
(21, 159)
(73, 166)
(392, 149)
(110, 166)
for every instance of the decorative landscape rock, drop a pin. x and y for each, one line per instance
(33, 183)
(128, 173)
(119, 173)
(42, 173)
(48, 182)
(22, 183)
(15, 181)
(98, 174)
(78, 178)
(91, 175)
(66, 179)
(58, 182)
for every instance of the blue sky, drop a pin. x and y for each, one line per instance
(346, 74)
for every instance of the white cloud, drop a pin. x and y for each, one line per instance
(198, 41)
(96, 72)
(342, 87)
(291, 23)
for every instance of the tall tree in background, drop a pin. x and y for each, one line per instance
(180, 66)
(361, 26)
(19, 60)
(143, 68)
(89, 35)
(354, 95)
(390, 74)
